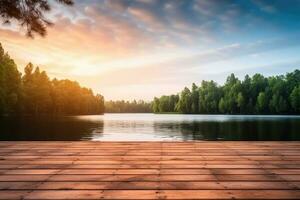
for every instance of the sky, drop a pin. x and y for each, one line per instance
(138, 49)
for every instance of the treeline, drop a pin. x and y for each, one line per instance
(253, 95)
(127, 106)
(33, 93)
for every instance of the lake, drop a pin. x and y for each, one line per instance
(151, 127)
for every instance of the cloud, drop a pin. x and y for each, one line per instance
(119, 43)
(179, 70)
(146, 17)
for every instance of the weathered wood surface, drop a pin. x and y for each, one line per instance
(149, 170)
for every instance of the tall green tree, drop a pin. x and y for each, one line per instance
(241, 102)
(195, 99)
(10, 84)
(184, 104)
(222, 106)
(155, 105)
(295, 99)
(37, 89)
(231, 90)
(262, 103)
(209, 96)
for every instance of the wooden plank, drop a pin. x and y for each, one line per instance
(96, 186)
(201, 157)
(149, 185)
(13, 194)
(152, 177)
(19, 185)
(129, 171)
(64, 194)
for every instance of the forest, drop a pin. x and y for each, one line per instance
(33, 93)
(122, 106)
(253, 95)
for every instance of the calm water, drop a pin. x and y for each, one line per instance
(149, 127)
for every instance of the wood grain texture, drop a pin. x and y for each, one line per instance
(149, 170)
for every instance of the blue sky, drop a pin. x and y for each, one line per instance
(128, 49)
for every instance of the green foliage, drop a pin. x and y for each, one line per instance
(165, 104)
(262, 102)
(184, 104)
(30, 14)
(222, 105)
(34, 93)
(10, 85)
(240, 102)
(195, 99)
(253, 95)
(69, 98)
(209, 96)
(295, 99)
(128, 107)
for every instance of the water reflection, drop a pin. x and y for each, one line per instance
(45, 128)
(233, 130)
(149, 127)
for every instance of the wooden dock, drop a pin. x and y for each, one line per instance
(149, 170)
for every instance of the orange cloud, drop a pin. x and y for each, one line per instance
(112, 44)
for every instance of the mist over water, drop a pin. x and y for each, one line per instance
(151, 127)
